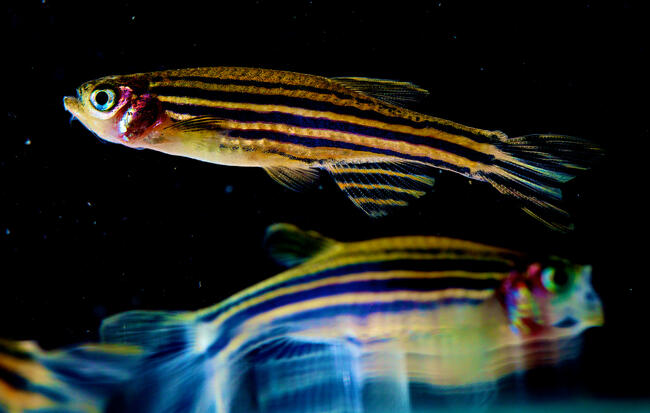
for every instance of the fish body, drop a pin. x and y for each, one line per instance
(394, 324)
(379, 152)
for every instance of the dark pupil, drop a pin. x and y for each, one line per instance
(101, 98)
(560, 278)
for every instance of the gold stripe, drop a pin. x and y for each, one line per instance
(28, 369)
(345, 279)
(20, 400)
(350, 298)
(425, 132)
(412, 192)
(335, 136)
(372, 251)
(379, 201)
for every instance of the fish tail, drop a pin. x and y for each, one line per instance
(149, 361)
(80, 379)
(533, 168)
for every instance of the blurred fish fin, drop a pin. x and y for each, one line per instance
(532, 168)
(198, 124)
(80, 379)
(390, 91)
(290, 245)
(296, 179)
(157, 331)
(475, 398)
(378, 187)
(176, 375)
(385, 379)
(328, 372)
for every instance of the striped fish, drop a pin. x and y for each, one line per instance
(400, 324)
(380, 153)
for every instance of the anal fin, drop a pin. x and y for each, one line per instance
(377, 188)
(295, 179)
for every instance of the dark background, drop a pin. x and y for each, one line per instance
(88, 229)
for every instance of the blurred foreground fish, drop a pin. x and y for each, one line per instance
(292, 125)
(399, 324)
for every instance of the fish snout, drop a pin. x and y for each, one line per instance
(72, 105)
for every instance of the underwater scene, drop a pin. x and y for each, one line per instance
(324, 206)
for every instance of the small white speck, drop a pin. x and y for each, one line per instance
(89, 203)
(28, 141)
(132, 18)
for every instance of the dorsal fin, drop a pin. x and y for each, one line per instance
(295, 179)
(391, 91)
(290, 245)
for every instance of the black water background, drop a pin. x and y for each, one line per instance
(89, 229)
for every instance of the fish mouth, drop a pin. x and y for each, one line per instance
(72, 105)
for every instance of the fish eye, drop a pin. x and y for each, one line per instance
(554, 279)
(103, 99)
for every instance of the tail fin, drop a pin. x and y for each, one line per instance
(149, 362)
(533, 168)
(78, 380)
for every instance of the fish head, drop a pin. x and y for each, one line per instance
(118, 109)
(553, 298)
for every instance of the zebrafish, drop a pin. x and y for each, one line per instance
(379, 153)
(400, 324)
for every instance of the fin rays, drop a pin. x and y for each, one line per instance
(376, 188)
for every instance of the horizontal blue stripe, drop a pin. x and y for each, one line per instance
(264, 84)
(360, 309)
(326, 124)
(469, 265)
(306, 103)
(326, 143)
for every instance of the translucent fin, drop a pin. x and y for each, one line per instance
(390, 91)
(77, 380)
(377, 188)
(385, 381)
(532, 168)
(176, 375)
(198, 124)
(304, 375)
(290, 245)
(295, 179)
